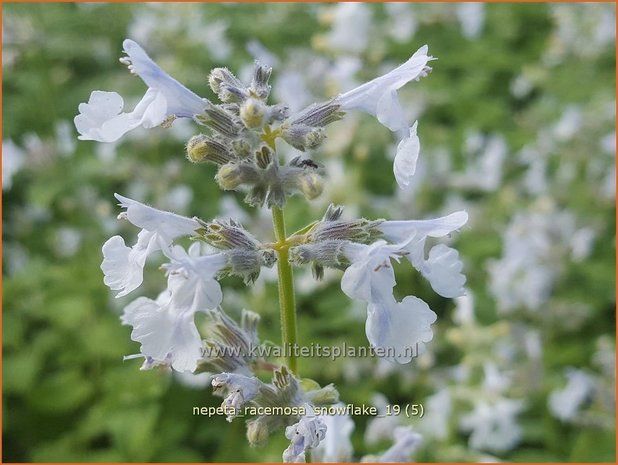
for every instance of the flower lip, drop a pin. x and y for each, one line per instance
(368, 96)
(395, 230)
(379, 98)
(167, 224)
(181, 101)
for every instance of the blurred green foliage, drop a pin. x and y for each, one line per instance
(67, 395)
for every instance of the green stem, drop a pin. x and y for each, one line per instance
(287, 302)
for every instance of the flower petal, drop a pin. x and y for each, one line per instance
(123, 266)
(191, 280)
(181, 102)
(400, 231)
(443, 271)
(400, 329)
(101, 119)
(164, 333)
(367, 96)
(168, 225)
(404, 165)
(370, 277)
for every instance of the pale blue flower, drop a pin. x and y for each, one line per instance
(240, 390)
(102, 119)
(565, 403)
(306, 434)
(166, 327)
(167, 333)
(442, 268)
(337, 444)
(124, 266)
(379, 98)
(493, 425)
(399, 328)
(191, 278)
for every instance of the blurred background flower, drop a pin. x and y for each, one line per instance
(517, 126)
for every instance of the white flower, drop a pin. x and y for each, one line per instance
(485, 162)
(167, 225)
(336, 446)
(471, 16)
(102, 119)
(493, 425)
(240, 389)
(379, 98)
(167, 333)
(565, 403)
(405, 443)
(191, 278)
(404, 165)
(166, 327)
(350, 29)
(442, 268)
(464, 309)
(306, 434)
(399, 328)
(149, 362)
(534, 244)
(370, 276)
(123, 266)
(398, 230)
(495, 380)
(382, 426)
(438, 409)
(13, 158)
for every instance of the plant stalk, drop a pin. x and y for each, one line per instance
(287, 303)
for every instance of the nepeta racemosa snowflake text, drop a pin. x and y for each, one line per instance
(239, 137)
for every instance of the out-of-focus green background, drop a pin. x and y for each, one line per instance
(538, 80)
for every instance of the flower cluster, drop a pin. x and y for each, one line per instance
(241, 140)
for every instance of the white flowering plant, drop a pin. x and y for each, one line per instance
(515, 362)
(242, 135)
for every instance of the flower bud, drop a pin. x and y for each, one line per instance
(245, 263)
(310, 184)
(303, 137)
(326, 253)
(361, 230)
(259, 85)
(232, 175)
(232, 94)
(277, 112)
(219, 75)
(249, 322)
(252, 113)
(220, 120)
(257, 432)
(203, 148)
(333, 213)
(227, 86)
(327, 395)
(226, 234)
(319, 114)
